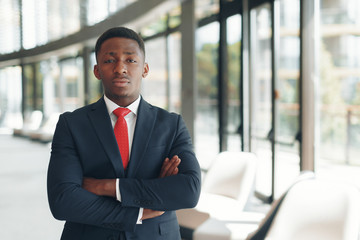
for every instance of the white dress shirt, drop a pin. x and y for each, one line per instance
(131, 122)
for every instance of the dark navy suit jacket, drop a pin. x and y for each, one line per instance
(84, 145)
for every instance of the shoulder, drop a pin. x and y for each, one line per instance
(148, 108)
(84, 111)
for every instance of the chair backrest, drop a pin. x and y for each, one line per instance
(232, 174)
(265, 224)
(50, 123)
(34, 121)
(315, 210)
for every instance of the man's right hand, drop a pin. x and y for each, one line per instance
(169, 168)
(148, 213)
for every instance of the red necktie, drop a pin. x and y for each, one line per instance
(121, 134)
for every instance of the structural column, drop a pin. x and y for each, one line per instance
(188, 65)
(309, 77)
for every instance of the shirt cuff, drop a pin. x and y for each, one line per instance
(118, 196)
(139, 221)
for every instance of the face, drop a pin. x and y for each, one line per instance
(120, 67)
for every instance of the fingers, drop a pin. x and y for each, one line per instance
(163, 168)
(170, 167)
(148, 213)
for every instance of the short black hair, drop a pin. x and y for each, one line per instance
(121, 32)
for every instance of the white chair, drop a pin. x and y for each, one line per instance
(46, 131)
(31, 123)
(228, 184)
(225, 191)
(314, 210)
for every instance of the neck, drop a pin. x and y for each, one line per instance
(122, 101)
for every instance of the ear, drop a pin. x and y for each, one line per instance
(146, 70)
(96, 72)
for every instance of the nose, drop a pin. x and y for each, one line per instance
(120, 67)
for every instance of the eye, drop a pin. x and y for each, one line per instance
(131, 60)
(109, 61)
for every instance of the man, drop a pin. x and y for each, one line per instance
(93, 184)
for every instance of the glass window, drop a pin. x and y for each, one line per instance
(261, 96)
(50, 71)
(62, 19)
(29, 73)
(115, 5)
(71, 84)
(46, 20)
(96, 90)
(206, 8)
(97, 10)
(34, 23)
(174, 61)
(287, 86)
(158, 25)
(155, 84)
(234, 56)
(10, 98)
(39, 79)
(207, 118)
(9, 26)
(175, 17)
(339, 101)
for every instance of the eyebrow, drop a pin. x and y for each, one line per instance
(115, 53)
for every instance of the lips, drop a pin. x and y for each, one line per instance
(121, 80)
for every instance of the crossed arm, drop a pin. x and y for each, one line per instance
(107, 187)
(72, 198)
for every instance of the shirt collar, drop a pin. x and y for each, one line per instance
(111, 106)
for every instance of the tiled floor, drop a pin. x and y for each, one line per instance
(24, 210)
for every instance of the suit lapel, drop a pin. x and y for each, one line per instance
(143, 131)
(100, 119)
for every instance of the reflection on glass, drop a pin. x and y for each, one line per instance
(155, 84)
(233, 101)
(206, 123)
(261, 101)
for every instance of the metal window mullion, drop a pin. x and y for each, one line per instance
(222, 82)
(275, 38)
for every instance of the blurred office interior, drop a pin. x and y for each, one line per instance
(277, 78)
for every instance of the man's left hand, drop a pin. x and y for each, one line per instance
(170, 167)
